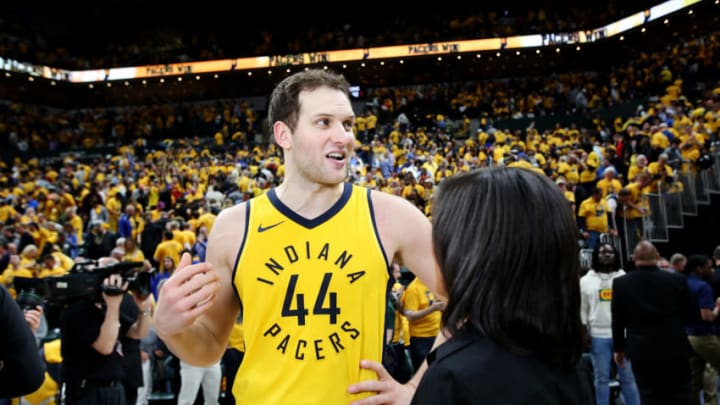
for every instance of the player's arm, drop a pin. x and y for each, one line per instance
(406, 234)
(197, 306)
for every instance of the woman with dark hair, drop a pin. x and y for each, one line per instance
(505, 244)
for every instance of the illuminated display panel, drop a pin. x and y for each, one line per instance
(349, 55)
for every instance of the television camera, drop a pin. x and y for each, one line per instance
(85, 280)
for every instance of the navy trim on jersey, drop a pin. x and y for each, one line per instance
(311, 223)
(377, 234)
(388, 297)
(242, 246)
(391, 278)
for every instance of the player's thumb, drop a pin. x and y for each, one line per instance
(185, 260)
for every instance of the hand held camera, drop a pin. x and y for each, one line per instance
(85, 280)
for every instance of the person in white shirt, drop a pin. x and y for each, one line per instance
(595, 313)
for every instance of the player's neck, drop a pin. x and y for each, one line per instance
(308, 199)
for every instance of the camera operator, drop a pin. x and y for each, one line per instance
(21, 369)
(93, 331)
(134, 378)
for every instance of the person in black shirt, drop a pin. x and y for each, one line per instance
(132, 365)
(93, 355)
(100, 241)
(512, 317)
(650, 309)
(22, 371)
(151, 236)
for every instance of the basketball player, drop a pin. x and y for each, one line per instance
(307, 263)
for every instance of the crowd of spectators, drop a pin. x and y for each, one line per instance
(68, 203)
(669, 75)
(167, 170)
(140, 203)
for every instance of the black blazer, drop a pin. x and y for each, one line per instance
(650, 309)
(22, 370)
(474, 370)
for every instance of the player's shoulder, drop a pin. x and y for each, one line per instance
(386, 201)
(231, 217)
(235, 210)
(395, 212)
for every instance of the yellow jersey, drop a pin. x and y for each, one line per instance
(313, 295)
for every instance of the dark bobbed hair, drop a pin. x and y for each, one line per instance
(285, 98)
(596, 252)
(506, 243)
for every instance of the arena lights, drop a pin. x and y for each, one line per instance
(351, 55)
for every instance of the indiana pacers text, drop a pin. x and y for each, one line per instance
(292, 263)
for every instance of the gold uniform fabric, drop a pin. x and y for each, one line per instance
(313, 295)
(595, 214)
(416, 298)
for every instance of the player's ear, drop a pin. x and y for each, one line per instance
(282, 134)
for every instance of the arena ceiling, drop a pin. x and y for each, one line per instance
(83, 26)
(88, 24)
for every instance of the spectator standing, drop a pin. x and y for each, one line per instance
(594, 219)
(126, 224)
(423, 311)
(147, 349)
(232, 359)
(200, 247)
(678, 262)
(609, 185)
(168, 248)
(151, 236)
(100, 242)
(664, 264)
(134, 378)
(166, 269)
(595, 312)
(193, 377)
(701, 330)
(650, 309)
